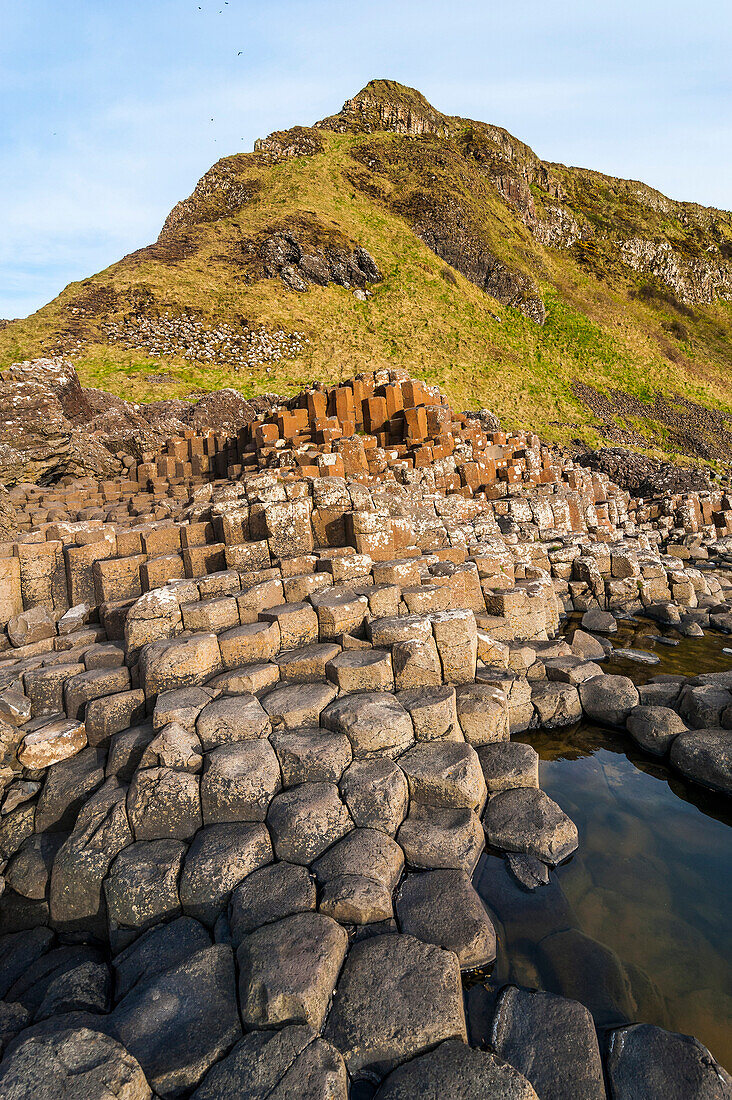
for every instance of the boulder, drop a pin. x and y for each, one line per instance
(552, 1041)
(375, 723)
(433, 838)
(306, 820)
(527, 820)
(443, 908)
(268, 895)
(239, 782)
(52, 743)
(157, 950)
(445, 773)
(457, 1071)
(608, 700)
(288, 970)
(646, 1061)
(278, 1065)
(217, 861)
(72, 1062)
(164, 804)
(376, 794)
(654, 728)
(705, 756)
(396, 998)
(181, 1022)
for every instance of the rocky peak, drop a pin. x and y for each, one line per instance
(388, 105)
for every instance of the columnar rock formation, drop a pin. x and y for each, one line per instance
(257, 701)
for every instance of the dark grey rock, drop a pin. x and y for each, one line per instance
(608, 699)
(442, 907)
(142, 887)
(396, 997)
(527, 820)
(270, 894)
(72, 1063)
(552, 1041)
(288, 970)
(457, 1071)
(217, 861)
(239, 782)
(156, 951)
(66, 789)
(76, 898)
(433, 838)
(306, 820)
(654, 728)
(645, 1061)
(279, 1065)
(376, 794)
(705, 755)
(181, 1022)
(19, 951)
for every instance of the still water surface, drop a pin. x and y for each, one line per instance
(638, 924)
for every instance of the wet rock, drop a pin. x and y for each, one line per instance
(602, 622)
(587, 971)
(458, 1071)
(608, 699)
(645, 1061)
(441, 907)
(552, 1041)
(706, 757)
(292, 1062)
(288, 970)
(396, 997)
(181, 1022)
(655, 728)
(306, 820)
(217, 860)
(527, 820)
(268, 895)
(79, 1062)
(528, 871)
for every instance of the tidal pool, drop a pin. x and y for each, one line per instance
(638, 924)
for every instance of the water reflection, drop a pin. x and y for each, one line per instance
(637, 925)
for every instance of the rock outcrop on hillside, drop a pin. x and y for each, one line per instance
(51, 427)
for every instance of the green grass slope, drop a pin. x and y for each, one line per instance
(469, 231)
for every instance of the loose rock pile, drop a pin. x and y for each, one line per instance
(254, 749)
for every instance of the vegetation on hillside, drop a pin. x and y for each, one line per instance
(447, 214)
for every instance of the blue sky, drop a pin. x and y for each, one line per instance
(112, 109)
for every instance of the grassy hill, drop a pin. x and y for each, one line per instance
(583, 306)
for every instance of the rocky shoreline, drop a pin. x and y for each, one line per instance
(257, 699)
